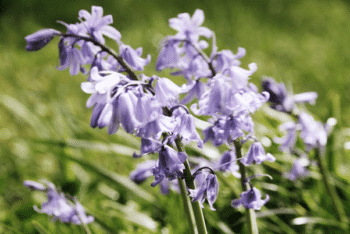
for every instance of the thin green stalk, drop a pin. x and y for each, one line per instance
(338, 206)
(188, 207)
(196, 208)
(250, 213)
(84, 225)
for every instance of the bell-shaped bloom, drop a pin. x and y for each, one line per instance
(148, 146)
(97, 25)
(288, 141)
(278, 95)
(216, 99)
(156, 127)
(208, 188)
(283, 101)
(142, 171)
(313, 132)
(185, 127)
(226, 59)
(193, 89)
(70, 57)
(133, 57)
(216, 133)
(59, 206)
(256, 154)
(228, 162)
(250, 199)
(168, 56)
(299, 169)
(126, 111)
(101, 84)
(41, 38)
(170, 165)
(34, 185)
(189, 28)
(228, 128)
(167, 92)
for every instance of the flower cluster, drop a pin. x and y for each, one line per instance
(153, 108)
(58, 205)
(313, 133)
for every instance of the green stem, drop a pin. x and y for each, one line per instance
(196, 208)
(188, 206)
(338, 206)
(250, 213)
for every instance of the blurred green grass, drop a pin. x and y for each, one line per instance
(305, 44)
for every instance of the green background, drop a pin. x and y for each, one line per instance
(43, 119)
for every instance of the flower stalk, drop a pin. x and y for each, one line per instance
(338, 206)
(250, 213)
(196, 208)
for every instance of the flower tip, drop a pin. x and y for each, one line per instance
(39, 39)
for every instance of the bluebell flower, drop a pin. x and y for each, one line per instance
(193, 89)
(225, 59)
(312, 132)
(228, 128)
(39, 39)
(167, 92)
(250, 199)
(70, 57)
(34, 185)
(97, 25)
(169, 56)
(156, 127)
(58, 205)
(133, 57)
(126, 111)
(185, 127)
(216, 133)
(230, 93)
(148, 146)
(207, 188)
(228, 163)
(283, 101)
(169, 165)
(189, 28)
(256, 154)
(299, 169)
(288, 141)
(142, 171)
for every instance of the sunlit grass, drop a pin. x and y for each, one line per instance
(45, 132)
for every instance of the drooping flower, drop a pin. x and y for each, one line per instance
(288, 141)
(70, 57)
(189, 28)
(208, 188)
(225, 59)
(148, 146)
(283, 101)
(133, 57)
(256, 154)
(299, 169)
(39, 39)
(97, 25)
(58, 205)
(228, 163)
(169, 165)
(142, 171)
(167, 92)
(250, 199)
(313, 132)
(185, 127)
(168, 56)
